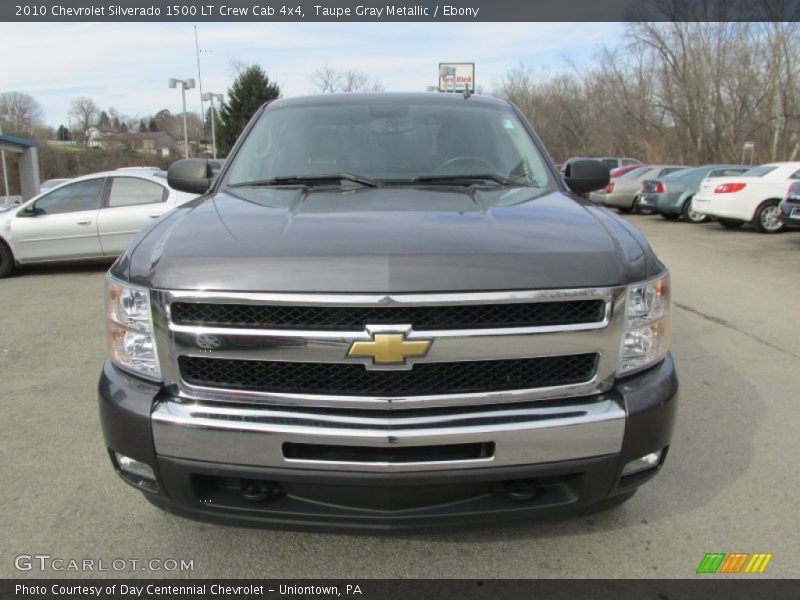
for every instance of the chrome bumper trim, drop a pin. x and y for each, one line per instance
(255, 436)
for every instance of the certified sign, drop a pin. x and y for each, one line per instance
(456, 77)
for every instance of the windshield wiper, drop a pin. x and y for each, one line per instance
(301, 179)
(467, 179)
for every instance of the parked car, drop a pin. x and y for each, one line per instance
(790, 207)
(51, 183)
(623, 192)
(610, 161)
(89, 217)
(671, 195)
(752, 197)
(620, 171)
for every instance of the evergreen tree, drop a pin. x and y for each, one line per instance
(103, 121)
(249, 91)
(152, 126)
(63, 134)
(142, 126)
(115, 125)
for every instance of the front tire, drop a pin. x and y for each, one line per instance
(6, 261)
(691, 216)
(768, 218)
(730, 223)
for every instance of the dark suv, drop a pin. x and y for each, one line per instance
(387, 311)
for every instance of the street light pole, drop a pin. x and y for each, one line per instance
(186, 84)
(210, 97)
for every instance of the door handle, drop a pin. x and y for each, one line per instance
(155, 215)
(85, 222)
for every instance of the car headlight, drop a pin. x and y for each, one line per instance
(646, 337)
(131, 341)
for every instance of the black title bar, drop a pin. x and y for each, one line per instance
(388, 11)
(710, 588)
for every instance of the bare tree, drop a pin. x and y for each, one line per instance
(328, 80)
(84, 110)
(25, 114)
(684, 92)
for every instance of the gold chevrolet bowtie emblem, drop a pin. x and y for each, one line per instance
(389, 349)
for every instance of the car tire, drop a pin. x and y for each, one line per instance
(640, 210)
(689, 215)
(768, 218)
(624, 210)
(670, 216)
(730, 223)
(6, 261)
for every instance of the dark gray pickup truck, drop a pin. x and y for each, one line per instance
(387, 311)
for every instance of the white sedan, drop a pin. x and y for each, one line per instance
(89, 217)
(754, 196)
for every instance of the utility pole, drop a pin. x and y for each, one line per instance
(199, 79)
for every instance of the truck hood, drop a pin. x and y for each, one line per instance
(387, 240)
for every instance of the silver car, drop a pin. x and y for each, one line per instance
(623, 191)
(89, 217)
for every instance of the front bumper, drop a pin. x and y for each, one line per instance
(538, 466)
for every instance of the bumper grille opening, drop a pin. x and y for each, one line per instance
(371, 454)
(295, 498)
(348, 318)
(356, 380)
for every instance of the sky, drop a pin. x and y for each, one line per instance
(127, 65)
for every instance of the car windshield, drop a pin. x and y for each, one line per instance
(685, 173)
(759, 171)
(383, 142)
(636, 173)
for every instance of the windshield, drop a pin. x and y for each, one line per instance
(686, 173)
(636, 173)
(759, 171)
(389, 143)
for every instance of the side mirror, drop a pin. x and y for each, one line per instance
(29, 211)
(584, 175)
(191, 175)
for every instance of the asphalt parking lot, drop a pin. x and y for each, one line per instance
(730, 483)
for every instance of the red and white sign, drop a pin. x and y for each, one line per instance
(456, 77)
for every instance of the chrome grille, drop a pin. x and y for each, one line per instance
(487, 348)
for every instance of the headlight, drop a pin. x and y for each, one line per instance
(130, 329)
(646, 337)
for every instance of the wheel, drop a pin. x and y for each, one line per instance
(730, 223)
(642, 210)
(6, 261)
(670, 216)
(768, 217)
(624, 210)
(689, 215)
